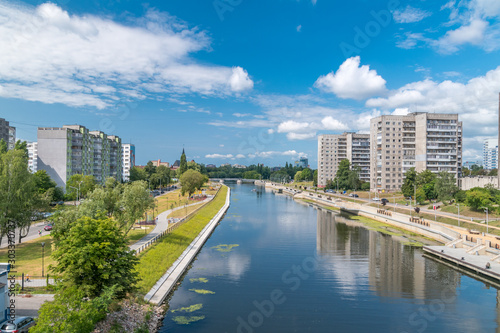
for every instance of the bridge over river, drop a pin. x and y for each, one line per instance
(233, 180)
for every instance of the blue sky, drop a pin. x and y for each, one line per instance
(243, 81)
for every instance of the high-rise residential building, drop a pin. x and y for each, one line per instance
(32, 156)
(424, 141)
(128, 153)
(490, 154)
(332, 149)
(73, 149)
(7, 133)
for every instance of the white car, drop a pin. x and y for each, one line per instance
(376, 199)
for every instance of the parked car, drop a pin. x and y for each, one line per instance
(376, 199)
(384, 201)
(354, 195)
(20, 325)
(48, 227)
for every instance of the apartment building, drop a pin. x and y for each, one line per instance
(32, 156)
(128, 158)
(424, 141)
(73, 149)
(7, 133)
(490, 154)
(334, 148)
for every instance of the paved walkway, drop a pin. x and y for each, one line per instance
(162, 224)
(28, 305)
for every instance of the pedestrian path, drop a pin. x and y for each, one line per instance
(162, 224)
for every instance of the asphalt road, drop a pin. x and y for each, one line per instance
(32, 234)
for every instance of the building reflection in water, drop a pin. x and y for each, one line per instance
(394, 269)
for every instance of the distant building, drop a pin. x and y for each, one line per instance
(176, 164)
(302, 162)
(128, 158)
(490, 154)
(225, 164)
(211, 166)
(468, 165)
(7, 133)
(239, 166)
(32, 156)
(274, 169)
(332, 149)
(73, 149)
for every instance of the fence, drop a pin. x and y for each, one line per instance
(35, 281)
(171, 228)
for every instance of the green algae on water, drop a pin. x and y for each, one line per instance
(189, 309)
(201, 280)
(183, 320)
(225, 247)
(202, 291)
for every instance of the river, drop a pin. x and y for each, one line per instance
(276, 265)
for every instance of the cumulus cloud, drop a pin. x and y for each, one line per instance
(352, 81)
(410, 15)
(220, 156)
(51, 56)
(473, 33)
(333, 124)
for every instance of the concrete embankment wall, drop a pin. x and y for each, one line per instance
(167, 282)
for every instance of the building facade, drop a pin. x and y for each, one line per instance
(424, 141)
(128, 158)
(32, 156)
(332, 149)
(490, 154)
(73, 149)
(7, 133)
(302, 162)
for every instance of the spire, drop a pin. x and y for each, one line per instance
(183, 151)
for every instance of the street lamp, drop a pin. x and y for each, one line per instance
(43, 254)
(458, 214)
(486, 211)
(77, 192)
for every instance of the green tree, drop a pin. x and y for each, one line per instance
(251, 175)
(183, 164)
(163, 174)
(420, 195)
(135, 201)
(460, 196)
(315, 178)
(3, 146)
(426, 179)
(465, 172)
(149, 169)
(43, 182)
(342, 175)
(72, 311)
(307, 174)
(353, 178)
(298, 177)
(85, 184)
(191, 181)
(493, 173)
(22, 146)
(477, 198)
(192, 165)
(445, 186)
(137, 174)
(409, 183)
(94, 256)
(365, 186)
(19, 198)
(103, 200)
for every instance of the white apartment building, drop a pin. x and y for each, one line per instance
(333, 148)
(7, 133)
(32, 156)
(490, 154)
(128, 157)
(424, 141)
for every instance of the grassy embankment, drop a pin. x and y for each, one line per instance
(29, 256)
(155, 261)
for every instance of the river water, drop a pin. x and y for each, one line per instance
(275, 265)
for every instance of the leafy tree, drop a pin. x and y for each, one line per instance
(460, 196)
(353, 179)
(307, 174)
(365, 186)
(103, 200)
(342, 176)
(149, 169)
(94, 256)
(86, 184)
(445, 186)
(477, 198)
(164, 174)
(54, 194)
(137, 174)
(298, 177)
(191, 181)
(3, 146)
(43, 182)
(22, 146)
(420, 195)
(72, 312)
(183, 164)
(251, 175)
(493, 173)
(19, 198)
(426, 179)
(135, 201)
(315, 178)
(192, 165)
(410, 181)
(465, 172)
(279, 176)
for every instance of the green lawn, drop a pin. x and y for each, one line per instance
(29, 256)
(135, 234)
(155, 261)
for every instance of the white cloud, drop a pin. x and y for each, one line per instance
(410, 15)
(51, 56)
(219, 156)
(222, 146)
(333, 124)
(473, 33)
(352, 81)
(242, 115)
(240, 156)
(300, 136)
(292, 126)
(299, 28)
(269, 154)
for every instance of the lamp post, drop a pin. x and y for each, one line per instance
(43, 254)
(458, 214)
(77, 192)
(486, 211)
